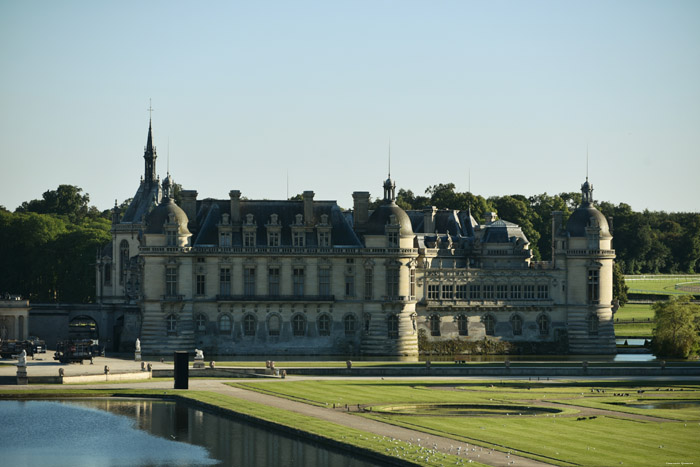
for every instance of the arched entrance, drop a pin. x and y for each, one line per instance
(83, 327)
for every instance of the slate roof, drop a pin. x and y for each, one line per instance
(145, 199)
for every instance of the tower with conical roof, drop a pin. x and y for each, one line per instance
(149, 156)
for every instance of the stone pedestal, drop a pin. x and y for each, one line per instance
(22, 377)
(198, 363)
(137, 356)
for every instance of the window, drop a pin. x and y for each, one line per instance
(324, 282)
(298, 238)
(489, 325)
(249, 325)
(324, 238)
(350, 286)
(412, 284)
(392, 239)
(224, 324)
(463, 325)
(273, 281)
(171, 281)
(446, 291)
(249, 281)
(392, 282)
(433, 292)
(200, 284)
(299, 325)
(249, 238)
(393, 327)
(593, 286)
(529, 292)
(171, 237)
(273, 325)
(225, 239)
(107, 273)
(461, 291)
(434, 325)
(488, 292)
(543, 325)
(324, 325)
(516, 324)
(123, 260)
(543, 292)
(592, 324)
(366, 317)
(171, 324)
(273, 238)
(501, 292)
(475, 292)
(225, 281)
(200, 323)
(369, 284)
(516, 292)
(349, 323)
(298, 281)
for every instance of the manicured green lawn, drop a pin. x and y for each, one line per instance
(659, 284)
(560, 439)
(634, 330)
(635, 311)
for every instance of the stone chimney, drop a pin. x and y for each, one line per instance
(360, 209)
(308, 197)
(429, 219)
(189, 204)
(490, 217)
(235, 196)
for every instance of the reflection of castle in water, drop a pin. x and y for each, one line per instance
(259, 277)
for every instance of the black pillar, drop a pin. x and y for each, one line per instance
(182, 361)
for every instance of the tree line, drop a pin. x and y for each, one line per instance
(48, 246)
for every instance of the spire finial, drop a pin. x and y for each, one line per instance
(389, 157)
(150, 110)
(586, 161)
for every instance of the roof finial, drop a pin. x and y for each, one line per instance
(586, 161)
(167, 171)
(150, 109)
(390, 157)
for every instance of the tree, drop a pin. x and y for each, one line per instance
(620, 289)
(677, 331)
(66, 200)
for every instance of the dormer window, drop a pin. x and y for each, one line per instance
(273, 238)
(324, 238)
(225, 239)
(249, 238)
(299, 219)
(392, 239)
(298, 238)
(274, 230)
(171, 237)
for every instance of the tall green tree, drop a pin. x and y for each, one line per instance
(677, 331)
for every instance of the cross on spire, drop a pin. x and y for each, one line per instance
(149, 109)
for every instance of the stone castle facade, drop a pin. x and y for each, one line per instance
(257, 277)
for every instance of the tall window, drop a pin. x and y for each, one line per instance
(392, 239)
(474, 292)
(249, 281)
(393, 327)
(171, 281)
(171, 324)
(350, 286)
(249, 325)
(298, 281)
(543, 325)
(392, 282)
(249, 238)
(298, 238)
(516, 292)
(489, 325)
(446, 291)
(593, 286)
(200, 323)
(273, 281)
(225, 324)
(123, 260)
(107, 273)
(299, 325)
(529, 292)
(369, 284)
(200, 284)
(273, 238)
(324, 282)
(434, 325)
(433, 292)
(501, 292)
(463, 325)
(324, 325)
(488, 292)
(273, 325)
(171, 237)
(543, 292)
(324, 238)
(462, 292)
(225, 281)
(225, 239)
(412, 284)
(349, 323)
(516, 324)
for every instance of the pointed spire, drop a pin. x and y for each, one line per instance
(149, 154)
(389, 185)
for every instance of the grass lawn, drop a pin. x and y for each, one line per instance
(660, 284)
(635, 311)
(560, 439)
(634, 330)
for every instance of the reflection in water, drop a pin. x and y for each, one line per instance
(687, 404)
(82, 435)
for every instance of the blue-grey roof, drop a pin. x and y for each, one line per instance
(145, 199)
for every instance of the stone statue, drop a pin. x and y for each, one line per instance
(198, 354)
(22, 358)
(138, 345)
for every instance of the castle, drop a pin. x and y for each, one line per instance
(257, 277)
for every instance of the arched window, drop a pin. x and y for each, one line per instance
(592, 324)
(200, 323)
(299, 325)
(349, 322)
(273, 325)
(123, 259)
(543, 325)
(489, 325)
(249, 325)
(434, 325)
(324, 325)
(171, 324)
(463, 325)
(393, 327)
(516, 324)
(225, 324)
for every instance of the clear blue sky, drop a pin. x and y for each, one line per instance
(245, 91)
